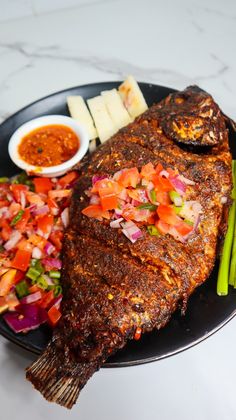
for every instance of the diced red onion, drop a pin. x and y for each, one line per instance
(178, 185)
(40, 210)
(49, 248)
(32, 207)
(94, 199)
(11, 243)
(134, 203)
(36, 253)
(142, 215)
(196, 206)
(18, 323)
(164, 174)
(131, 231)
(123, 195)
(116, 223)
(43, 316)
(27, 318)
(22, 199)
(4, 212)
(10, 197)
(56, 302)
(41, 233)
(96, 178)
(118, 212)
(142, 195)
(33, 297)
(52, 262)
(65, 216)
(185, 180)
(177, 235)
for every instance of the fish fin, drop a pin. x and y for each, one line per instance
(59, 380)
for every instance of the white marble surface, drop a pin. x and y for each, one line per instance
(174, 43)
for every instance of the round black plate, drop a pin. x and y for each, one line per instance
(206, 311)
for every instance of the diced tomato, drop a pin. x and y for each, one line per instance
(59, 193)
(6, 229)
(45, 224)
(56, 239)
(21, 225)
(162, 184)
(4, 203)
(38, 241)
(138, 333)
(151, 219)
(53, 207)
(109, 202)
(68, 179)
(96, 212)
(168, 215)
(14, 208)
(148, 171)
(17, 190)
(19, 276)
(128, 212)
(21, 260)
(163, 227)
(7, 281)
(34, 198)
(183, 228)
(159, 168)
(163, 197)
(42, 185)
(47, 299)
(53, 316)
(108, 190)
(129, 177)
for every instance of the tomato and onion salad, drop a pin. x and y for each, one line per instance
(153, 197)
(33, 215)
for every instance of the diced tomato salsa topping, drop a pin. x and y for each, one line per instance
(152, 196)
(33, 216)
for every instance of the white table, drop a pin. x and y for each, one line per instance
(44, 49)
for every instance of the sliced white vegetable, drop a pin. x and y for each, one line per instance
(132, 97)
(103, 122)
(116, 109)
(79, 111)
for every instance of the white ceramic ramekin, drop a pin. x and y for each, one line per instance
(50, 171)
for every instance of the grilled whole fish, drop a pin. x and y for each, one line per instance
(113, 286)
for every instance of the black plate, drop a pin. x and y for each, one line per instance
(206, 311)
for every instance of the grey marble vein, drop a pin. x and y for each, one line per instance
(113, 66)
(220, 13)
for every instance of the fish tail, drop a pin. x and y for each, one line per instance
(59, 380)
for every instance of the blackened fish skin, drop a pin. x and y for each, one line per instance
(111, 286)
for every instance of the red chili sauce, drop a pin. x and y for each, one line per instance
(49, 145)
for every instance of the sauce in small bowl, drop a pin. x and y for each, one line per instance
(48, 146)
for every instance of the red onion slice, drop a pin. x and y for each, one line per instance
(14, 239)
